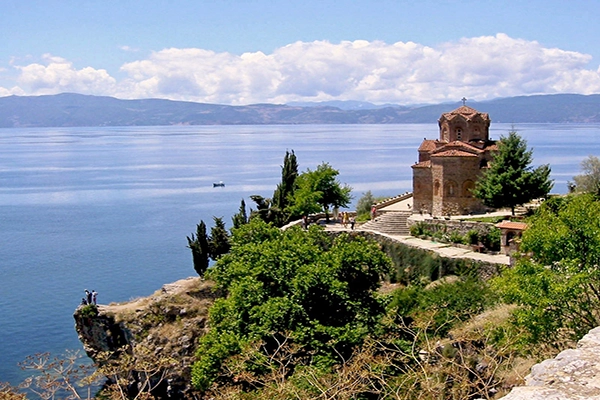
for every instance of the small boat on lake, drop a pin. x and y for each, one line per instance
(218, 184)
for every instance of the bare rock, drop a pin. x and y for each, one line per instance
(573, 374)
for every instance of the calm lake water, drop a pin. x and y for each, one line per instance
(109, 208)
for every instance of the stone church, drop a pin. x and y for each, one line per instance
(448, 167)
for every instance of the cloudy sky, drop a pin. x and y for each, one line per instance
(254, 51)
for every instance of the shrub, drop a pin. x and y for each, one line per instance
(440, 307)
(472, 237)
(89, 311)
(491, 240)
(317, 291)
(456, 237)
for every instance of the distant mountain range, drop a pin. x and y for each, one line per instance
(69, 109)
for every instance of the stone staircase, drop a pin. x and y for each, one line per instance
(391, 223)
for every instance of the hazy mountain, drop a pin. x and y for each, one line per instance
(81, 110)
(345, 105)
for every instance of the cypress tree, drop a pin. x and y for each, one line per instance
(241, 218)
(219, 239)
(200, 250)
(285, 189)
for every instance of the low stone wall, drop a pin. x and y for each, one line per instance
(574, 374)
(452, 225)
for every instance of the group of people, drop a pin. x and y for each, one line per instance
(90, 297)
(346, 219)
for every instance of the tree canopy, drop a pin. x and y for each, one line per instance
(511, 181)
(205, 247)
(556, 285)
(319, 190)
(589, 181)
(304, 287)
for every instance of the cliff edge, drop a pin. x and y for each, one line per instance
(163, 326)
(573, 374)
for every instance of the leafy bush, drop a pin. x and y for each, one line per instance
(89, 311)
(456, 237)
(491, 240)
(440, 307)
(314, 290)
(472, 237)
(557, 287)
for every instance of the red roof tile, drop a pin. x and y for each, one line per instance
(429, 145)
(453, 153)
(521, 226)
(465, 112)
(422, 164)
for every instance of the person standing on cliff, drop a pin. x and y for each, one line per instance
(94, 297)
(88, 296)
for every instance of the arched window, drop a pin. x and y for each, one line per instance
(436, 188)
(458, 133)
(451, 189)
(467, 188)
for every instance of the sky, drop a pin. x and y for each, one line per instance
(269, 51)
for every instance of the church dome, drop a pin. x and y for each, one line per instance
(465, 112)
(465, 124)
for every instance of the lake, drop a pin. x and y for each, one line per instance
(108, 209)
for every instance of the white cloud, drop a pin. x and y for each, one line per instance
(58, 75)
(479, 68)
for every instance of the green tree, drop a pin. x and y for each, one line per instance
(319, 190)
(264, 209)
(198, 243)
(302, 287)
(218, 243)
(285, 189)
(565, 229)
(364, 204)
(557, 286)
(241, 218)
(589, 181)
(511, 181)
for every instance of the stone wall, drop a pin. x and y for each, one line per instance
(574, 374)
(422, 190)
(453, 225)
(454, 173)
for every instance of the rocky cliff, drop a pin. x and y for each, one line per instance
(574, 374)
(160, 332)
(164, 327)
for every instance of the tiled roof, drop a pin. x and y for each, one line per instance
(459, 146)
(429, 145)
(422, 164)
(465, 112)
(521, 226)
(453, 153)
